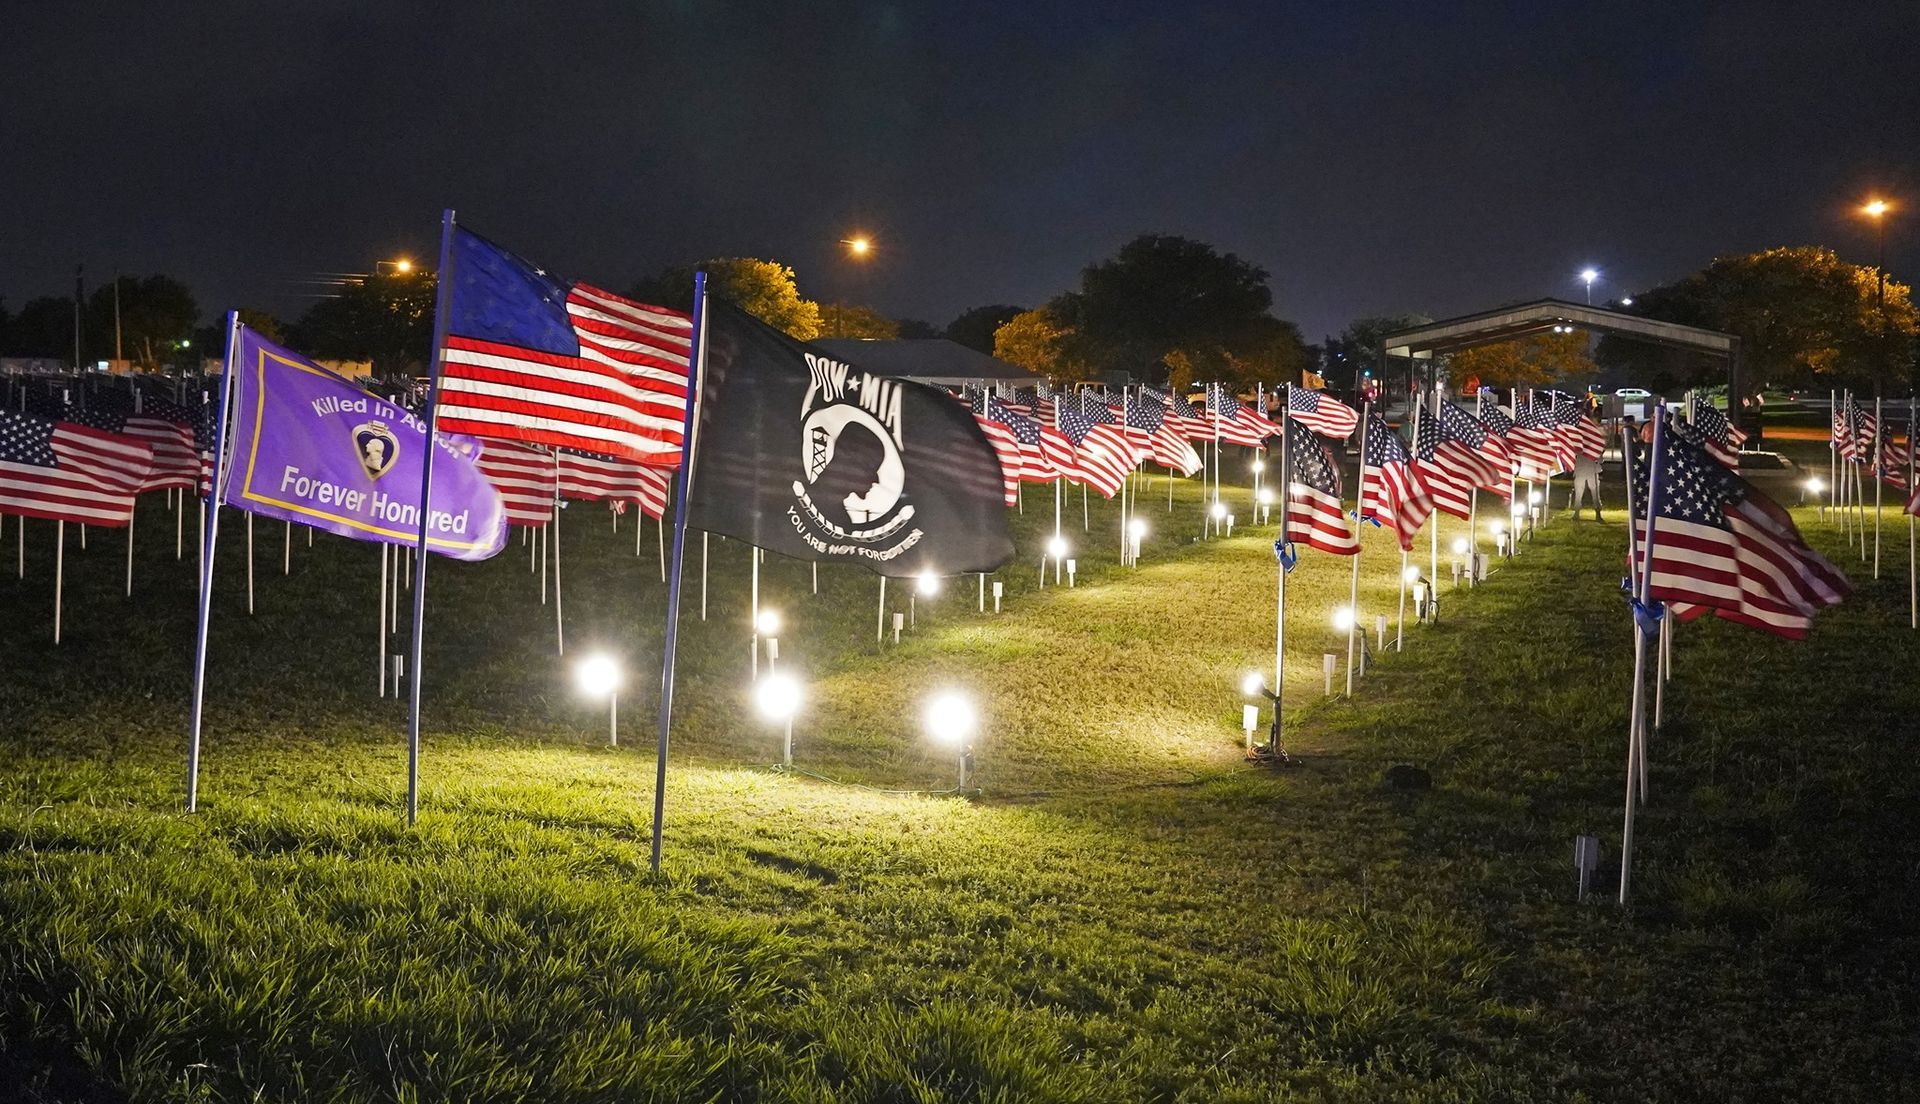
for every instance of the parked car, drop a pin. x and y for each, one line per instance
(1634, 394)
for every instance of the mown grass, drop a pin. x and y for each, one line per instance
(1124, 910)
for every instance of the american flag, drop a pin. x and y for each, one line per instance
(591, 477)
(1322, 413)
(68, 472)
(1579, 430)
(1030, 437)
(1724, 547)
(1006, 447)
(1722, 438)
(1853, 430)
(1315, 516)
(1389, 493)
(1893, 459)
(1539, 448)
(1100, 454)
(1223, 412)
(1187, 421)
(531, 357)
(1450, 459)
(176, 462)
(1142, 417)
(525, 478)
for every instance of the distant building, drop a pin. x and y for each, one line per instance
(927, 360)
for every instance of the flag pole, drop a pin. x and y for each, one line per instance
(249, 564)
(59, 573)
(683, 481)
(442, 293)
(753, 611)
(1879, 473)
(1833, 449)
(1280, 591)
(1913, 581)
(132, 509)
(1353, 587)
(1635, 727)
(380, 614)
(208, 537)
(559, 621)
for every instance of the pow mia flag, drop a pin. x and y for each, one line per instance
(807, 455)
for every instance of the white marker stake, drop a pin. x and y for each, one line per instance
(1380, 631)
(898, 620)
(999, 588)
(880, 624)
(1329, 662)
(1072, 566)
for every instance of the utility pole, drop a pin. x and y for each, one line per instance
(116, 318)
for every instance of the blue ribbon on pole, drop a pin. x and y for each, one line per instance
(1646, 615)
(1368, 520)
(1283, 551)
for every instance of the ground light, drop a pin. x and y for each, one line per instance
(1136, 532)
(777, 697)
(1460, 549)
(1056, 548)
(1254, 685)
(1265, 498)
(1218, 512)
(1816, 487)
(925, 585)
(950, 719)
(598, 675)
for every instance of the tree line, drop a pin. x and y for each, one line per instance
(1162, 308)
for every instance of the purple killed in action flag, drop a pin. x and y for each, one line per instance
(310, 447)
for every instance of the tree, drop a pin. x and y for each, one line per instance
(854, 320)
(386, 319)
(157, 314)
(1356, 351)
(1804, 318)
(43, 328)
(765, 289)
(1537, 361)
(976, 328)
(913, 329)
(1034, 340)
(1160, 295)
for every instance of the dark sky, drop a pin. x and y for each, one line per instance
(1375, 157)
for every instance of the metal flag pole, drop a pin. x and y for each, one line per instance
(59, 573)
(1636, 761)
(1280, 591)
(559, 621)
(208, 537)
(286, 551)
(442, 293)
(753, 610)
(1433, 538)
(1913, 580)
(1353, 587)
(1879, 477)
(1400, 627)
(683, 481)
(132, 509)
(1833, 448)
(249, 564)
(380, 614)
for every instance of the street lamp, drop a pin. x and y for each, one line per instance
(1876, 209)
(950, 719)
(399, 267)
(777, 697)
(1587, 277)
(598, 675)
(859, 245)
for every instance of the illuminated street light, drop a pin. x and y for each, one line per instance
(859, 245)
(777, 697)
(1874, 208)
(1588, 276)
(398, 267)
(1626, 300)
(598, 675)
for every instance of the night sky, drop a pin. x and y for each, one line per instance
(1375, 158)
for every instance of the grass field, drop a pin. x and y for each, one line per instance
(1124, 910)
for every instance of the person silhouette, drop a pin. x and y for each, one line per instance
(851, 482)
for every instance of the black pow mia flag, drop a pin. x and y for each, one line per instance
(803, 453)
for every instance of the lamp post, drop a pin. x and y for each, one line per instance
(1876, 209)
(859, 247)
(400, 266)
(1587, 277)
